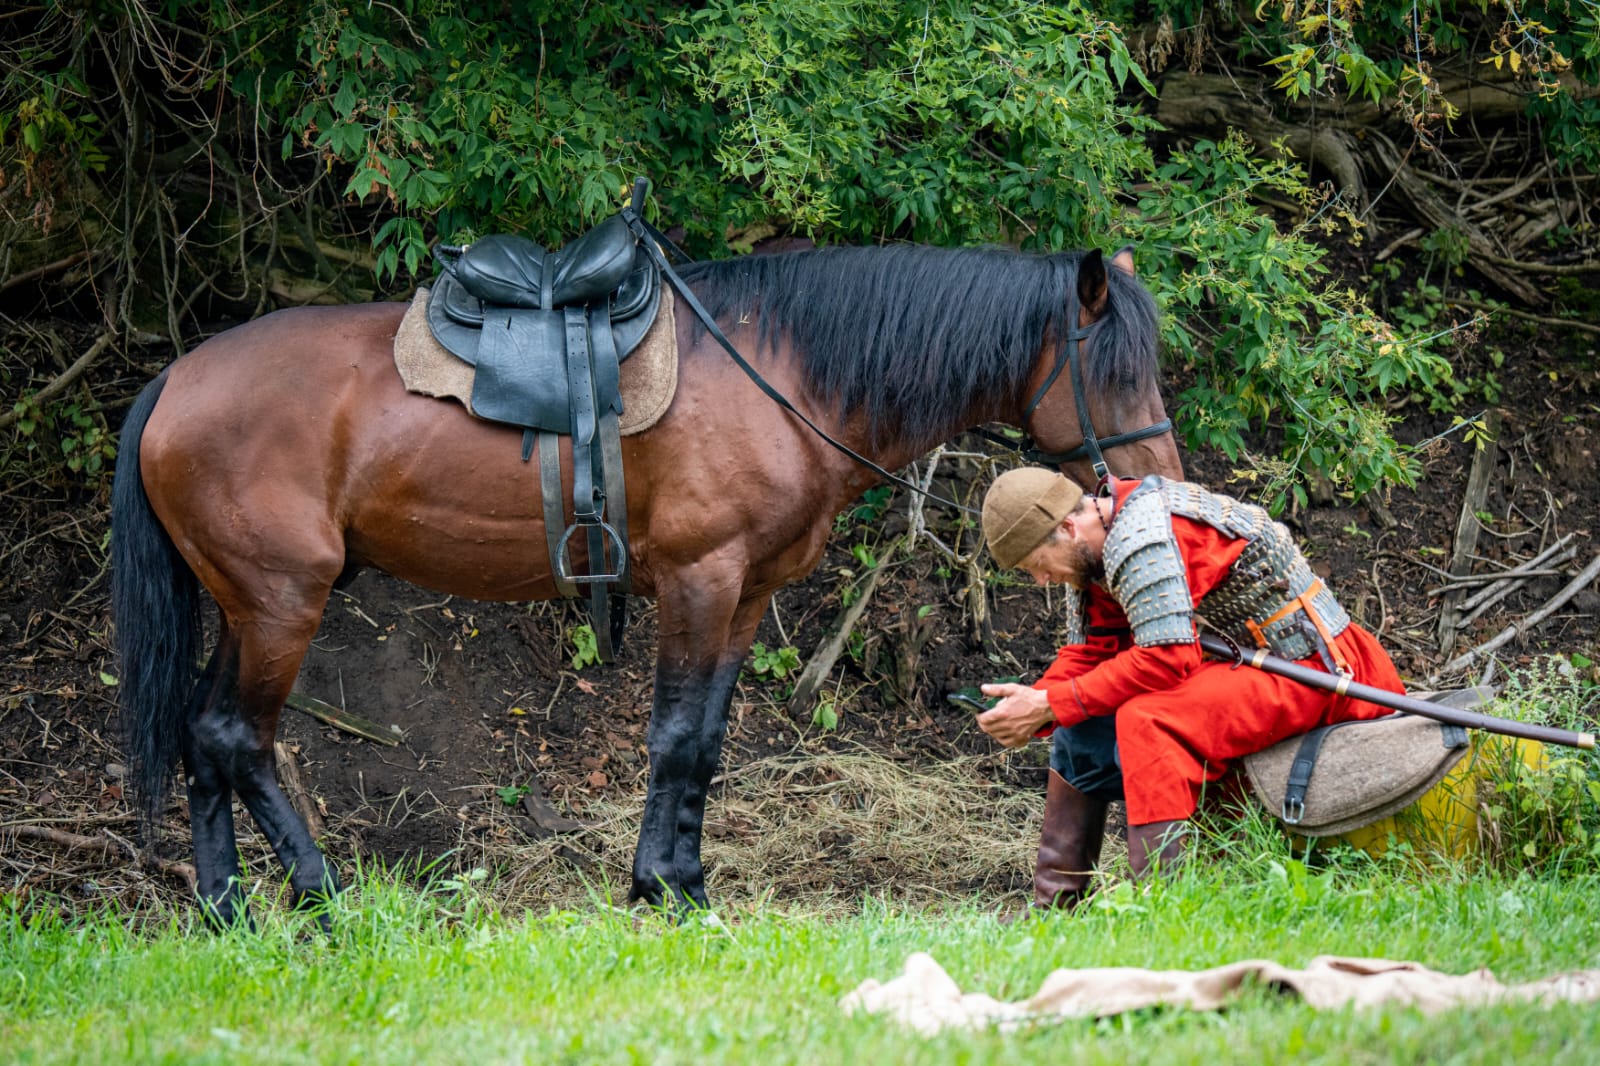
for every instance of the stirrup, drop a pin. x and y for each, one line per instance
(564, 564)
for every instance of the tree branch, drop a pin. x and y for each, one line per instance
(67, 377)
(1479, 305)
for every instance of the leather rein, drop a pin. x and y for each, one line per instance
(653, 241)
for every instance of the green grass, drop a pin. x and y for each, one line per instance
(441, 975)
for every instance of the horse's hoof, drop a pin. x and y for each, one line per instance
(656, 895)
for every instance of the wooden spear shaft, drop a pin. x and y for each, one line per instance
(1343, 686)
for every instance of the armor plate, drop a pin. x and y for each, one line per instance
(1074, 630)
(1270, 572)
(1144, 571)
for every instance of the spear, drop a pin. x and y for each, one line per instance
(1343, 686)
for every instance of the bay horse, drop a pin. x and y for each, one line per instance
(278, 458)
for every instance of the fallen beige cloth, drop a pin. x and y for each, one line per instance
(649, 377)
(926, 999)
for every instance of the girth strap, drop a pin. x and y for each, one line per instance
(555, 517)
(597, 478)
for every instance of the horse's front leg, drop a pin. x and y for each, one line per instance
(705, 631)
(713, 728)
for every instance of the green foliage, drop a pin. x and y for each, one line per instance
(874, 502)
(1386, 52)
(1544, 814)
(46, 132)
(64, 437)
(852, 121)
(511, 795)
(585, 650)
(949, 125)
(826, 715)
(1284, 344)
(772, 664)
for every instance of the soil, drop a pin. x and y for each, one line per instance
(503, 738)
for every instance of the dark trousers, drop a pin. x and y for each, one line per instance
(1086, 755)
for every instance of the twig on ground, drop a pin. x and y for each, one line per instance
(1558, 553)
(294, 786)
(1527, 625)
(820, 665)
(110, 846)
(64, 379)
(342, 719)
(1468, 525)
(46, 270)
(1476, 581)
(1547, 320)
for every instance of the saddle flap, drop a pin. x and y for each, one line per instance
(521, 371)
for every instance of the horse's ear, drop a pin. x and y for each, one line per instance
(1123, 260)
(1092, 283)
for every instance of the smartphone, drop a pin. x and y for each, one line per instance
(964, 700)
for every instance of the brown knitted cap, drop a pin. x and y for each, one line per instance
(1022, 507)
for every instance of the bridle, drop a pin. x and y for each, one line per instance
(1093, 447)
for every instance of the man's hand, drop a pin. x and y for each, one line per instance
(1021, 712)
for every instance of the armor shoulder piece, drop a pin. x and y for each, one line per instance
(1145, 572)
(1074, 628)
(1234, 517)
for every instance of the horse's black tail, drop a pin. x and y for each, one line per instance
(155, 612)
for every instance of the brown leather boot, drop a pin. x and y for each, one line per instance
(1069, 845)
(1155, 844)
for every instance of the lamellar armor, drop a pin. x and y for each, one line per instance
(1269, 599)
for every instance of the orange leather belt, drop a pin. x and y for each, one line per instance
(1302, 602)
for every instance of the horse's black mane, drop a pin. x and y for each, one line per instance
(909, 334)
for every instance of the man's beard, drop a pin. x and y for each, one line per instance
(1087, 566)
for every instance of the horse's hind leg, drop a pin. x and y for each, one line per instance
(228, 749)
(216, 852)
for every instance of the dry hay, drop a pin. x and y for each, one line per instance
(816, 830)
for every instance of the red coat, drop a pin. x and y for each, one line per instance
(1183, 721)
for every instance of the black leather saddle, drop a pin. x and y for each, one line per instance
(499, 305)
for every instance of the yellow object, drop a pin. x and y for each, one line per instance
(1444, 820)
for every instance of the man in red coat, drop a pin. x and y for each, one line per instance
(1134, 711)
